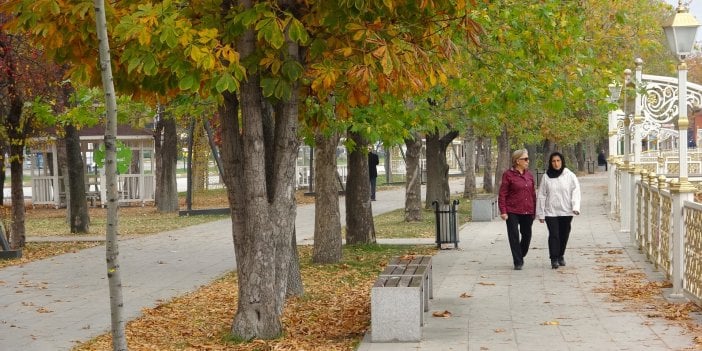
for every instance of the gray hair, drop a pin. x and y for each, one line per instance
(517, 154)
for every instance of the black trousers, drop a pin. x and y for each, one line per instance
(517, 223)
(558, 233)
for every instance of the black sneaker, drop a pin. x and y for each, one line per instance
(554, 264)
(561, 261)
(518, 267)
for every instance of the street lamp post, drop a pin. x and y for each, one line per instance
(625, 174)
(636, 161)
(615, 90)
(680, 30)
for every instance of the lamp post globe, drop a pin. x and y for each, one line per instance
(615, 91)
(680, 31)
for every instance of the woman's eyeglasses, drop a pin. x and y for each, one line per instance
(524, 159)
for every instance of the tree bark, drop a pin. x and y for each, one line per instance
(488, 173)
(17, 234)
(166, 151)
(504, 156)
(295, 287)
(119, 340)
(17, 133)
(3, 171)
(579, 161)
(263, 212)
(437, 168)
(78, 205)
(327, 221)
(469, 184)
(360, 228)
(413, 185)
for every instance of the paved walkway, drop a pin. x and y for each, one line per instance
(51, 304)
(539, 308)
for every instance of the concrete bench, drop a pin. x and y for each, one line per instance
(399, 298)
(423, 260)
(6, 251)
(396, 309)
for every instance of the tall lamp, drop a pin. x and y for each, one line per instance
(680, 30)
(615, 90)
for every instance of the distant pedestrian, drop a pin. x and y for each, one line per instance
(517, 201)
(373, 171)
(556, 203)
(602, 159)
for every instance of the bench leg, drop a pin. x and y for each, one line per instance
(396, 314)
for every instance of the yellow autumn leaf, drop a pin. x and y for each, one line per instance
(380, 51)
(144, 38)
(551, 323)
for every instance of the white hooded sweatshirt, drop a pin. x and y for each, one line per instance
(558, 196)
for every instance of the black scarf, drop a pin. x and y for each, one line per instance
(555, 173)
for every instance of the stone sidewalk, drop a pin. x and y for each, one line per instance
(539, 308)
(52, 304)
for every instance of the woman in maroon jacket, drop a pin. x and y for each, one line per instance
(517, 202)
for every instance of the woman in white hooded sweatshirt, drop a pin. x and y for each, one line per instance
(557, 200)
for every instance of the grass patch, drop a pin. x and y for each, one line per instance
(392, 225)
(334, 313)
(133, 221)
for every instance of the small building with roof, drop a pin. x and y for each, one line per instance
(135, 186)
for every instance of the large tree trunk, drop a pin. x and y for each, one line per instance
(413, 185)
(359, 214)
(17, 235)
(17, 134)
(469, 184)
(437, 168)
(166, 151)
(504, 156)
(263, 212)
(295, 287)
(200, 162)
(78, 205)
(579, 161)
(119, 340)
(2, 173)
(327, 221)
(488, 172)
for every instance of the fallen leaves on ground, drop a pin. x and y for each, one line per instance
(466, 295)
(333, 314)
(486, 283)
(631, 287)
(441, 314)
(551, 323)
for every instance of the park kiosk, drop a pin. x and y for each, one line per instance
(135, 186)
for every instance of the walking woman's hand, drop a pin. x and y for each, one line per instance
(541, 220)
(503, 216)
(576, 212)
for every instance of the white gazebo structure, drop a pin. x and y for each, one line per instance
(135, 186)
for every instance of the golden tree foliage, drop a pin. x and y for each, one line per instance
(355, 48)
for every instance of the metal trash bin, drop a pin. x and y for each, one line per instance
(446, 224)
(484, 207)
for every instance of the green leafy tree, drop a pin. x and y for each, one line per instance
(260, 60)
